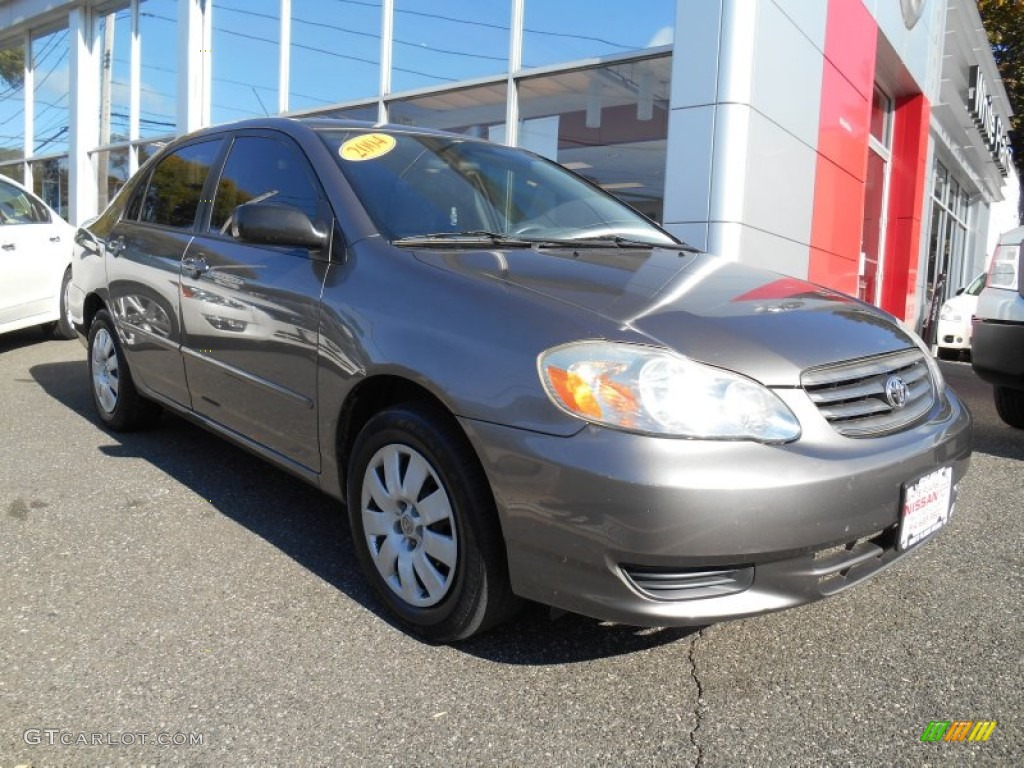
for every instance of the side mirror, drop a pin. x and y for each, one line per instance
(268, 223)
(87, 241)
(959, 291)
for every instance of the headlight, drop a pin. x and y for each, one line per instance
(645, 390)
(948, 313)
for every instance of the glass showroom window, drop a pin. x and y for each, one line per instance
(876, 195)
(50, 183)
(158, 33)
(112, 172)
(334, 53)
(114, 40)
(51, 113)
(476, 111)
(367, 112)
(948, 237)
(245, 59)
(12, 109)
(445, 41)
(609, 123)
(569, 30)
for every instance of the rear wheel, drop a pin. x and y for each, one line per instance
(118, 403)
(1010, 406)
(425, 527)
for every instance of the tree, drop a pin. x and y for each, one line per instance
(1004, 22)
(12, 66)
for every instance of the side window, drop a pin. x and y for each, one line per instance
(265, 169)
(16, 207)
(176, 186)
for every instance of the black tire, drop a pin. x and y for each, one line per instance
(447, 602)
(1010, 406)
(118, 404)
(945, 353)
(62, 328)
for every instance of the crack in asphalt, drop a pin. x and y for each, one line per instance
(697, 710)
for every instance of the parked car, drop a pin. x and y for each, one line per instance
(520, 387)
(999, 336)
(956, 320)
(35, 262)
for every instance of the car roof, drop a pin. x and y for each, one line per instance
(289, 124)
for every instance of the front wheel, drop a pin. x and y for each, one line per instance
(425, 526)
(118, 403)
(63, 327)
(1010, 406)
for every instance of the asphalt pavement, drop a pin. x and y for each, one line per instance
(167, 599)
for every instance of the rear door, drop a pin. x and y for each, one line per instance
(143, 259)
(251, 312)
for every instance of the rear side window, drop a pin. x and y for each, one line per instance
(262, 168)
(176, 186)
(16, 207)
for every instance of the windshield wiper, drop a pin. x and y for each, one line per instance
(471, 237)
(626, 242)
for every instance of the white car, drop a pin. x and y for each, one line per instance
(956, 320)
(35, 262)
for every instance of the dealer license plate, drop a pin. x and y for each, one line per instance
(925, 506)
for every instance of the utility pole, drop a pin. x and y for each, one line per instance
(106, 83)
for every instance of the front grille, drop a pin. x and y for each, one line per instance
(689, 583)
(852, 396)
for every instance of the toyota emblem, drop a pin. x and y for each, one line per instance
(896, 392)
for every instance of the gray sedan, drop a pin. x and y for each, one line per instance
(520, 387)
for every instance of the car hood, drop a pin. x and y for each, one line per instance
(963, 304)
(762, 324)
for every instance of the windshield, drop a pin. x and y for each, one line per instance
(977, 286)
(421, 185)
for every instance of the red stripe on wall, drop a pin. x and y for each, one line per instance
(851, 37)
(906, 204)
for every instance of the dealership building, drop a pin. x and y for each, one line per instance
(859, 143)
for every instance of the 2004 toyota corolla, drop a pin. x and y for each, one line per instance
(520, 387)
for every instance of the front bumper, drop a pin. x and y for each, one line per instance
(954, 335)
(599, 523)
(998, 355)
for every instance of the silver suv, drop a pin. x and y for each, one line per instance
(999, 336)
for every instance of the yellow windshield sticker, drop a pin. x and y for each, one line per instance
(369, 146)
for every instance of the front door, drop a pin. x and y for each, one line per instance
(251, 312)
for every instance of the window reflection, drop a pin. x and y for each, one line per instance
(609, 124)
(15, 171)
(446, 41)
(478, 112)
(51, 113)
(335, 52)
(245, 53)
(12, 103)
(111, 174)
(158, 30)
(50, 183)
(568, 30)
(114, 35)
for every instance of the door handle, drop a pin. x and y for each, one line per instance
(55, 239)
(8, 246)
(195, 267)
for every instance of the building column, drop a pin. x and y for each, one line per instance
(194, 65)
(83, 109)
